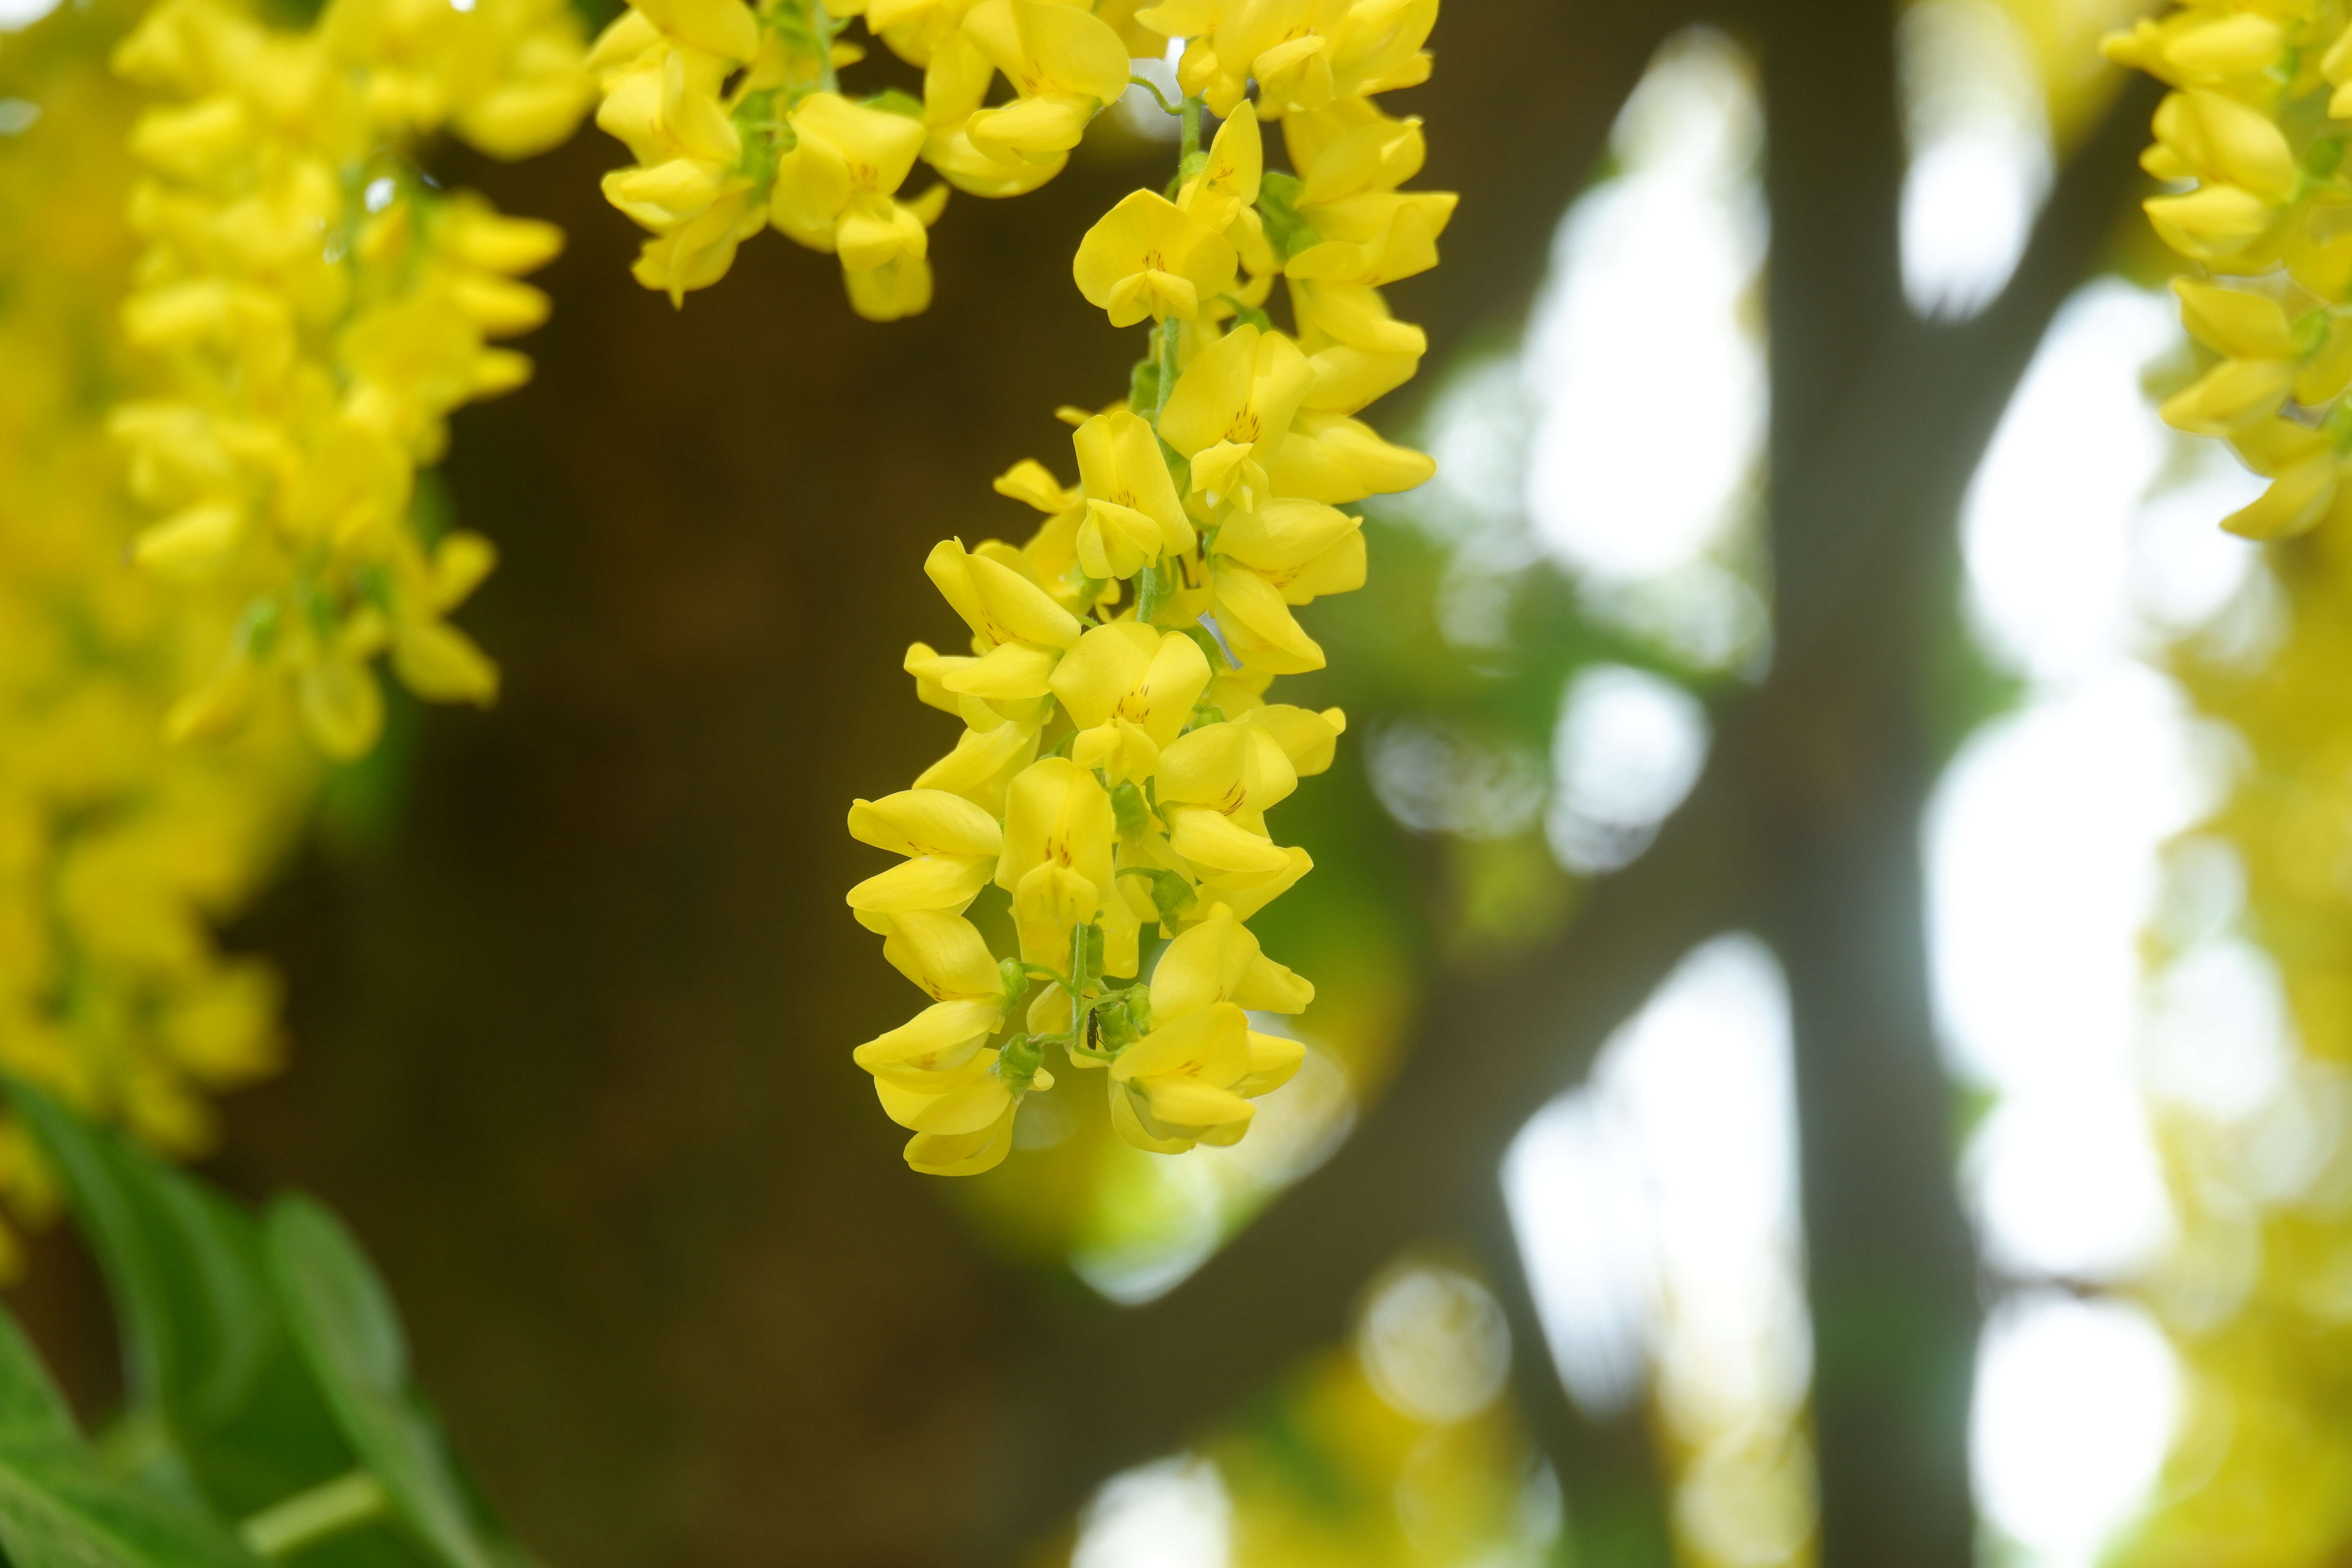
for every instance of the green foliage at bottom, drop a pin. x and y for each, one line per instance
(270, 1412)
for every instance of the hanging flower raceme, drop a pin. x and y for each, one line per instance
(320, 309)
(1110, 795)
(119, 853)
(2255, 128)
(737, 120)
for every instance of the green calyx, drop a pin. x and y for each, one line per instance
(1131, 811)
(1170, 894)
(1277, 208)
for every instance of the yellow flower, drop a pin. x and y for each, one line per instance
(985, 759)
(722, 28)
(1192, 1078)
(1053, 551)
(936, 1074)
(955, 86)
(1304, 54)
(1132, 639)
(2207, 136)
(306, 380)
(1060, 830)
(1231, 409)
(2306, 473)
(1018, 631)
(1214, 785)
(951, 846)
(1358, 352)
(1219, 960)
(913, 28)
(121, 853)
(1287, 552)
(2207, 48)
(1175, 1086)
(1133, 516)
(1130, 690)
(1226, 184)
(1064, 64)
(836, 191)
(1332, 459)
(1148, 258)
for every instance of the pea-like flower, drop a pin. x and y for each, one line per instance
(1133, 516)
(1116, 722)
(951, 847)
(1231, 409)
(1064, 64)
(2254, 129)
(306, 380)
(1130, 688)
(1190, 1080)
(1148, 257)
(936, 1075)
(1018, 632)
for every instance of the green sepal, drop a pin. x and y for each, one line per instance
(1143, 381)
(895, 100)
(1131, 811)
(1170, 894)
(1247, 314)
(1277, 209)
(1211, 644)
(1014, 976)
(2310, 330)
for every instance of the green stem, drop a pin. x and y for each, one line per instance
(822, 25)
(1169, 330)
(305, 1518)
(1189, 143)
(1151, 87)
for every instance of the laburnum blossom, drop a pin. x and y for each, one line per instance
(1064, 64)
(1130, 688)
(738, 119)
(1232, 410)
(303, 383)
(2250, 141)
(936, 1075)
(1111, 801)
(1132, 513)
(1191, 1079)
(1304, 55)
(836, 190)
(951, 847)
(1148, 257)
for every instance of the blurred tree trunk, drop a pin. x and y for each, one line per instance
(1891, 1265)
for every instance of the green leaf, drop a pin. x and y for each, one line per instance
(58, 1508)
(32, 1411)
(221, 1407)
(348, 1334)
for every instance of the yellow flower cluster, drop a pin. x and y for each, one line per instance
(321, 308)
(2254, 1290)
(737, 121)
(2254, 133)
(1119, 755)
(118, 851)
